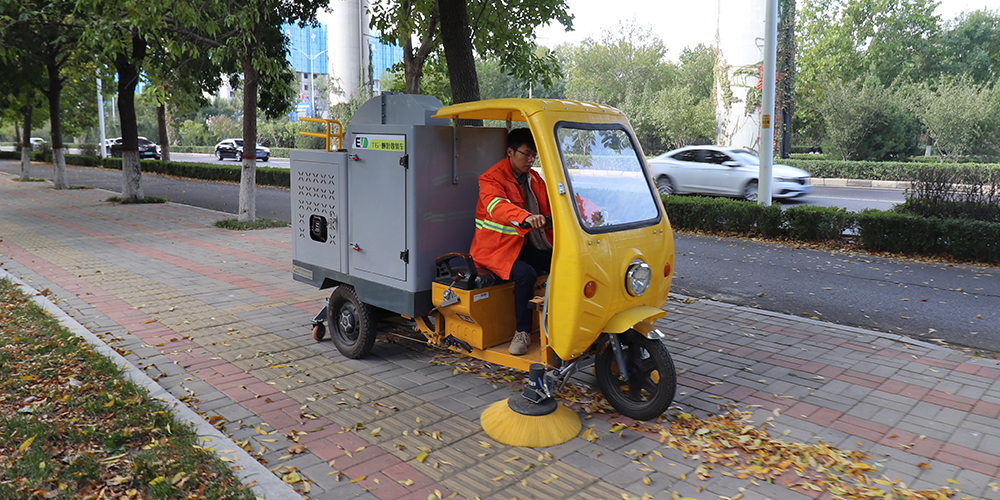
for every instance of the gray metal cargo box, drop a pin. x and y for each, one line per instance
(378, 215)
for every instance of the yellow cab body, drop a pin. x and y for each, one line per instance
(607, 218)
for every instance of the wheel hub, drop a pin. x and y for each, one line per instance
(346, 321)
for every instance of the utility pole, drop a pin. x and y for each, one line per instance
(767, 104)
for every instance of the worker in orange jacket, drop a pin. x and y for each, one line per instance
(511, 194)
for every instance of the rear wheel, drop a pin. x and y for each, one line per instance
(352, 323)
(750, 191)
(652, 379)
(664, 186)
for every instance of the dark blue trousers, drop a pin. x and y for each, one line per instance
(529, 264)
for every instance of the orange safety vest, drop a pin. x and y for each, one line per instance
(497, 241)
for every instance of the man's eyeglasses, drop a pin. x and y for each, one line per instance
(531, 156)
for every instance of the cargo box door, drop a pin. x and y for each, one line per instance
(377, 201)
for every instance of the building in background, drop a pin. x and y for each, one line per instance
(308, 51)
(348, 47)
(384, 57)
(343, 52)
(739, 56)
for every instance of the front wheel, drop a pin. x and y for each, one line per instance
(664, 186)
(352, 323)
(652, 379)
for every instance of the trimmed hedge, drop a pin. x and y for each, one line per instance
(723, 214)
(266, 176)
(962, 238)
(870, 170)
(877, 230)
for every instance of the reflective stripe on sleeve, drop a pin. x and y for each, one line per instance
(493, 203)
(493, 226)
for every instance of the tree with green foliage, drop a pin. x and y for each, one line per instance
(844, 40)
(866, 121)
(970, 45)
(668, 105)
(962, 116)
(128, 37)
(498, 31)
(48, 31)
(250, 43)
(20, 100)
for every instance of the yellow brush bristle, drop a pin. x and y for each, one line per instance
(514, 429)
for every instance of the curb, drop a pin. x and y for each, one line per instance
(266, 484)
(862, 183)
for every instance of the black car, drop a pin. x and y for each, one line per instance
(233, 148)
(147, 149)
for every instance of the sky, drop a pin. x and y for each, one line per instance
(678, 23)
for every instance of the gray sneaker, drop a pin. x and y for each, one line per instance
(519, 346)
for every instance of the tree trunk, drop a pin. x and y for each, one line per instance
(457, 39)
(413, 70)
(26, 144)
(248, 175)
(161, 122)
(59, 178)
(128, 77)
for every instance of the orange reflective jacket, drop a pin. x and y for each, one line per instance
(497, 242)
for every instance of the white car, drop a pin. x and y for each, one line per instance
(723, 171)
(37, 143)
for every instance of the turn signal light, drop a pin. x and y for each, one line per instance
(666, 270)
(589, 289)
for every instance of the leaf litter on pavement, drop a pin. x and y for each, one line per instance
(73, 427)
(730, 444)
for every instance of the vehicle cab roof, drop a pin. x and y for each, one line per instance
(519, 109)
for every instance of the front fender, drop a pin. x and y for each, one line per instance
(624, 320)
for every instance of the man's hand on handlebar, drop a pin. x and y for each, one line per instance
(535, 221)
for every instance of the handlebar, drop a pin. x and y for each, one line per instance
(548, 223)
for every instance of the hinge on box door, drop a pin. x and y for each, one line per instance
(404, 161)
(405, 256)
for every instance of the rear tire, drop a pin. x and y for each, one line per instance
(652, 376)
(664, 186)
(352, 324)
(750, 191)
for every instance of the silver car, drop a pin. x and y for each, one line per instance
(723, 171)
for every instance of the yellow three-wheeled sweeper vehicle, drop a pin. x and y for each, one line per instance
(385, 223)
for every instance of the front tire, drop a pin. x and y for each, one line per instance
(652, 377)
(750, 191)
(664, 186)
(218, 154)
(352, 323)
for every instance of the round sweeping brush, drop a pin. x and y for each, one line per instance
(532, 418)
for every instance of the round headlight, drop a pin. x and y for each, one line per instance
(638, 278)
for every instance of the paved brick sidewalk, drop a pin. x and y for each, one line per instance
(215, 317)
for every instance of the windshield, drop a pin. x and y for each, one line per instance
(607, 177)
(746, 157)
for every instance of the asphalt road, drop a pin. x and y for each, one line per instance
(957, 304)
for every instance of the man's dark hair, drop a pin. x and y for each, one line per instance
(520, 137)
